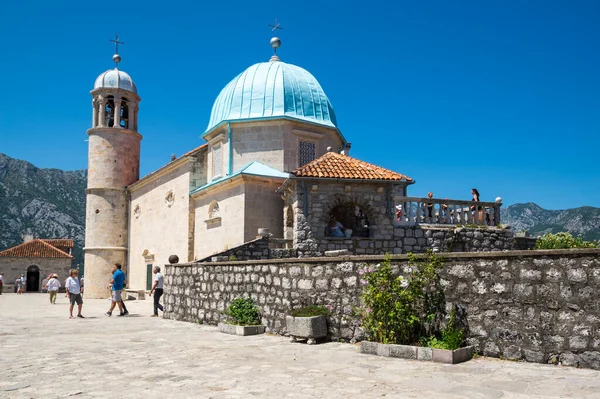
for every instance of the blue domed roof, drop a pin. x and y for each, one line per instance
(273, 90)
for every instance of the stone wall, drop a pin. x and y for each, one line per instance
(252, 250)
(14, 267)
(540, 306)
(313, 202)
(418, 239)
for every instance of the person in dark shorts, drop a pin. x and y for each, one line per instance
(157, 289)
(74, 293)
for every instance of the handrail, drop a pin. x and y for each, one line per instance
(416, 210)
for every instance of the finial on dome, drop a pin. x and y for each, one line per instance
(275, 41)
(116, 58)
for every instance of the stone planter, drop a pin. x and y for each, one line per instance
(240, 330)
(417, 352)
(309, 328)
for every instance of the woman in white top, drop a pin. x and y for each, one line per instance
(53, 286)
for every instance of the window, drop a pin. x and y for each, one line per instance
(217, 161)
(148, 277)
(110, 111)
(308, 152)
(124, 114)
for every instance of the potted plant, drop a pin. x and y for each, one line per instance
(243, 318)
(308, 323)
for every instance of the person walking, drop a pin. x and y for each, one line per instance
(19, 285)
(1, 282)
(157, 289)
(117, 281)
(53, 286)
(74, 293)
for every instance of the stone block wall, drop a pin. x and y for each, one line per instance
(418, 239)
(540, 306)
(252, 250)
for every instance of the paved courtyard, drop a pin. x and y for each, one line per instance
(44, 354)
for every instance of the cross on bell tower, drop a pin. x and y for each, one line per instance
(116, 57)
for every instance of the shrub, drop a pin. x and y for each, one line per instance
(311, 310)
(243, 312)
(401, 310)
(563, 240)
(452, 337)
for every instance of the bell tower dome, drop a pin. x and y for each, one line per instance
(113, 164)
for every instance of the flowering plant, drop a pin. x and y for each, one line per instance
(397, 309)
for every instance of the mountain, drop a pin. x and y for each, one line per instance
(584, 221)
(44, 203)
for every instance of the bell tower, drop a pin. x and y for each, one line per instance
(113, 164)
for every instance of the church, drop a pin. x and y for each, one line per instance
(272, 142)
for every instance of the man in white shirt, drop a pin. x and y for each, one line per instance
(74, 293)
(53, 286)
(157, 288)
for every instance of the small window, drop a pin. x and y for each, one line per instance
(217, 161)
(308, 152)
(148, 277)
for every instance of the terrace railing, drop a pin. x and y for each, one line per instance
(413, 210)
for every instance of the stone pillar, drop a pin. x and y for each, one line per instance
(102, 112)
(94, 113)
(117, 112)
(130, 114)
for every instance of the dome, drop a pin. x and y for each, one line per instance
(115, 78)
(273, 90)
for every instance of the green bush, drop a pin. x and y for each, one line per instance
(451, 338)
(563, 240)
(401, 310)
(310, 311)
(243, 312)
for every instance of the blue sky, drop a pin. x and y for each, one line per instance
(501, 96)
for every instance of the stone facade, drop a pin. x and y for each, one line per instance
(540, 306)
(418, 239)
(14, 267)
(245, 204)
(313, 202)
(259, 248)
(161, 204)
(113, 164)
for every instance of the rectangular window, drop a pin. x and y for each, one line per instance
(217, 161)
(308, 152)
(148, 277)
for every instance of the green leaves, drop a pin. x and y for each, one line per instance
(243, 312)
(310, 311)
(397, 309)
(563, 240)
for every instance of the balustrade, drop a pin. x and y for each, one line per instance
(412, 210)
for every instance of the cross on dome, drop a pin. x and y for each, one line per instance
(116, 57)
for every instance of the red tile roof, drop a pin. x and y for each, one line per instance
(60, 242)
(337, 166)
(34, 249)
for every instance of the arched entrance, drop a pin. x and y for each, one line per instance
(353, 215)
(33, 279)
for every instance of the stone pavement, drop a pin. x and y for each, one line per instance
(44, 354)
